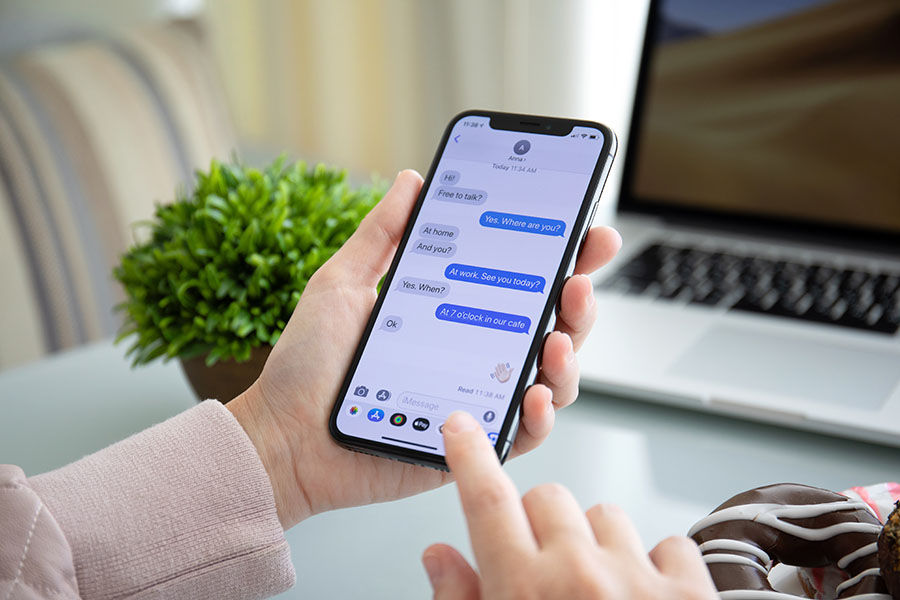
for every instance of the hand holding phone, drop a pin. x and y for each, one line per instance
(474, 285)
(286, 410)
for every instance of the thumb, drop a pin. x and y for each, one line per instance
(368, 252)
(451, 576)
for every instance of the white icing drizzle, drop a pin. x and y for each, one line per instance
(856, 579)
(772, 514)
(735, 560)
(736, 546)
(859, 553)
(772, 595)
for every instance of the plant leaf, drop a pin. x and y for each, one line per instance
(232, 257)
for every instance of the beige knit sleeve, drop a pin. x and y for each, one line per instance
(181, 510)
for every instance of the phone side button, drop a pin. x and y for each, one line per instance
(590, 220)
(507, 446)
(587, 225)
(510, 440)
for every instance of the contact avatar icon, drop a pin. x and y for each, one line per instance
(521, 147)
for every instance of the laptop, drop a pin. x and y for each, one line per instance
(760, 212)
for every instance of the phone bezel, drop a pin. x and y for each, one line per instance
(510, 122)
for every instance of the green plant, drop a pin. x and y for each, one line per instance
(224, 267)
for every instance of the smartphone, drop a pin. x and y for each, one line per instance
(473, 289)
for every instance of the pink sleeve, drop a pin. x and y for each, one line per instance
(35, 559)
(182, 510)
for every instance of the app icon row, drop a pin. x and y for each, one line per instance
(376, 415)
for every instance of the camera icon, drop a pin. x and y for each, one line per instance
(361, 391)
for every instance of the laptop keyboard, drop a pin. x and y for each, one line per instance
(810, 292)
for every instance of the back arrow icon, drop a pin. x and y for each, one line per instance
(456, 138)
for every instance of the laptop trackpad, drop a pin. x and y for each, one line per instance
(791, 366)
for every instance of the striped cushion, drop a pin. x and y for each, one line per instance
(93, 132)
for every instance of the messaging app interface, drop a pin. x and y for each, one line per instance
(455, 327)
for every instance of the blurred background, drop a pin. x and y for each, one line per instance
(106, 107)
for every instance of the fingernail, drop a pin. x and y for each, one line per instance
(570, 356)
(619, 236)
(589, 299)
(433, 567)
(459, 422)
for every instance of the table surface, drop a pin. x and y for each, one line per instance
(666, 466)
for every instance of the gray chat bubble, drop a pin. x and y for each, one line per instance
(391, 323)
(461, 195)
(450, 177)
(439, 232)
(429, 248)
(423, 287)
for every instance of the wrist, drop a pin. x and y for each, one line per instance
(275, 452)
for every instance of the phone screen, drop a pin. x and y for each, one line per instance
(464, 304)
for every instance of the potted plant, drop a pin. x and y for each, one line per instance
(217, 278)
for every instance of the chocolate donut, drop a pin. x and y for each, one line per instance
(795, 525)
(889, 552)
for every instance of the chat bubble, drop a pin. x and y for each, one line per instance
(480, 317)
(511, 222)
(428, 248)
(495, 277)
(391, 323)
(450, 177)
(439, 232)
(422, 287)
(461, 195)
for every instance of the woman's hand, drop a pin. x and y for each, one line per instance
(544, 546)
(285, 412)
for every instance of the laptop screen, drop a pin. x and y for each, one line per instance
(780, 109)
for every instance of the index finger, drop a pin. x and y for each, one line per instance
(498, 526)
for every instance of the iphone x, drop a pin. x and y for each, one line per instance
(473, 288)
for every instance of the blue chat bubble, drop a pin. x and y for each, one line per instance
(495, 277)
(539, 225)
(483, 318)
